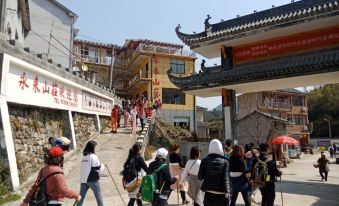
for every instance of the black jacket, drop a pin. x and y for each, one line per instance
(176, 158)
(162, 176)
(238, 164)
(140, 164)
(214, 171)
(271, 166)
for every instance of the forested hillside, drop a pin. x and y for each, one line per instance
(323, 103)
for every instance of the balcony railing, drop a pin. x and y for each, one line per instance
(97, 60)
(140, 75)
(276, 104)
(159, 49)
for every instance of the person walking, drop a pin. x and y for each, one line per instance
(163, 178)
(176, 168)
(142, 113)
(89, 174)
(131, 178)
(126, 116)
(331, 151)
(114, 118)
(228, 148)
(190, 174)
(215, 174)
(238, 171)
(323, 167)
(134, 113)
(56, 187)
(268, 190)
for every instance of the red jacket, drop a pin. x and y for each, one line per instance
(56, 187)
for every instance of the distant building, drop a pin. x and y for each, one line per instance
(288, 104)
(259, 127)
(148, 62)
(15, 21)
(94, 60)
(202, 126)
(52, 31)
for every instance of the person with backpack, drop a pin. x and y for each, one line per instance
(50, 186)
(264, 173)
(331, 151)
(238, 171)
(163, 179)
(191, 175)
(89, 174)
(176, 168)
(131, 179)
(215, 174)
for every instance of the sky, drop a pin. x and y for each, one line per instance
(113, 21)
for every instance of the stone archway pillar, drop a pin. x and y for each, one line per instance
(229, 114)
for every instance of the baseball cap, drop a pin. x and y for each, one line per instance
(62, 141)
(55, 151)
(162, 153)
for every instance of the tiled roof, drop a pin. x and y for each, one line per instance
(266, 115)
(315, 62)
(154, 42)
(278, 17)
(291, 90)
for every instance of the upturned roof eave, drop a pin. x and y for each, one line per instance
(289, 66)
(270, 19)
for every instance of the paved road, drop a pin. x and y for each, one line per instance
(301, 182)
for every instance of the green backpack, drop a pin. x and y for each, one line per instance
(148, 185)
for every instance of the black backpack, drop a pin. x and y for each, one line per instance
(130, 171)
(40, 197)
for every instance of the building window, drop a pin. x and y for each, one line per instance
(177, 66)
(84, 51)
(173, 96)
(289, 118)
(299, 119)
(298, 101)
(183, 122)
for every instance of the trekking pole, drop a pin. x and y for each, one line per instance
(281, 192)
(178, 191)
(75, 203)
(115, 184)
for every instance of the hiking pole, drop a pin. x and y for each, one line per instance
(281, 192)
(178, 191)
(75, 203)
(115, 184)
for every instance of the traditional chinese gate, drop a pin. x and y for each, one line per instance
(289, 46)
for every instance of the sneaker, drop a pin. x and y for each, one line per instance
(185, 202)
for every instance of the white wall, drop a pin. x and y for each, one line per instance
(46, 19)
(13, 22)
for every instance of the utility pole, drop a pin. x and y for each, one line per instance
(329, 127)
(112, 67)
(50, 38)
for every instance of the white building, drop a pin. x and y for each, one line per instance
(15, 20)
(52, 30)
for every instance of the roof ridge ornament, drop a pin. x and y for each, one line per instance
(177, 28)
(208, 26)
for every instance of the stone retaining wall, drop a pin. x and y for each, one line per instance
(31, 128)
(105, 122)
(84, 126)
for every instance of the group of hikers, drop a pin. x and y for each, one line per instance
(50, 188)
(215, 180)
(132, 110)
